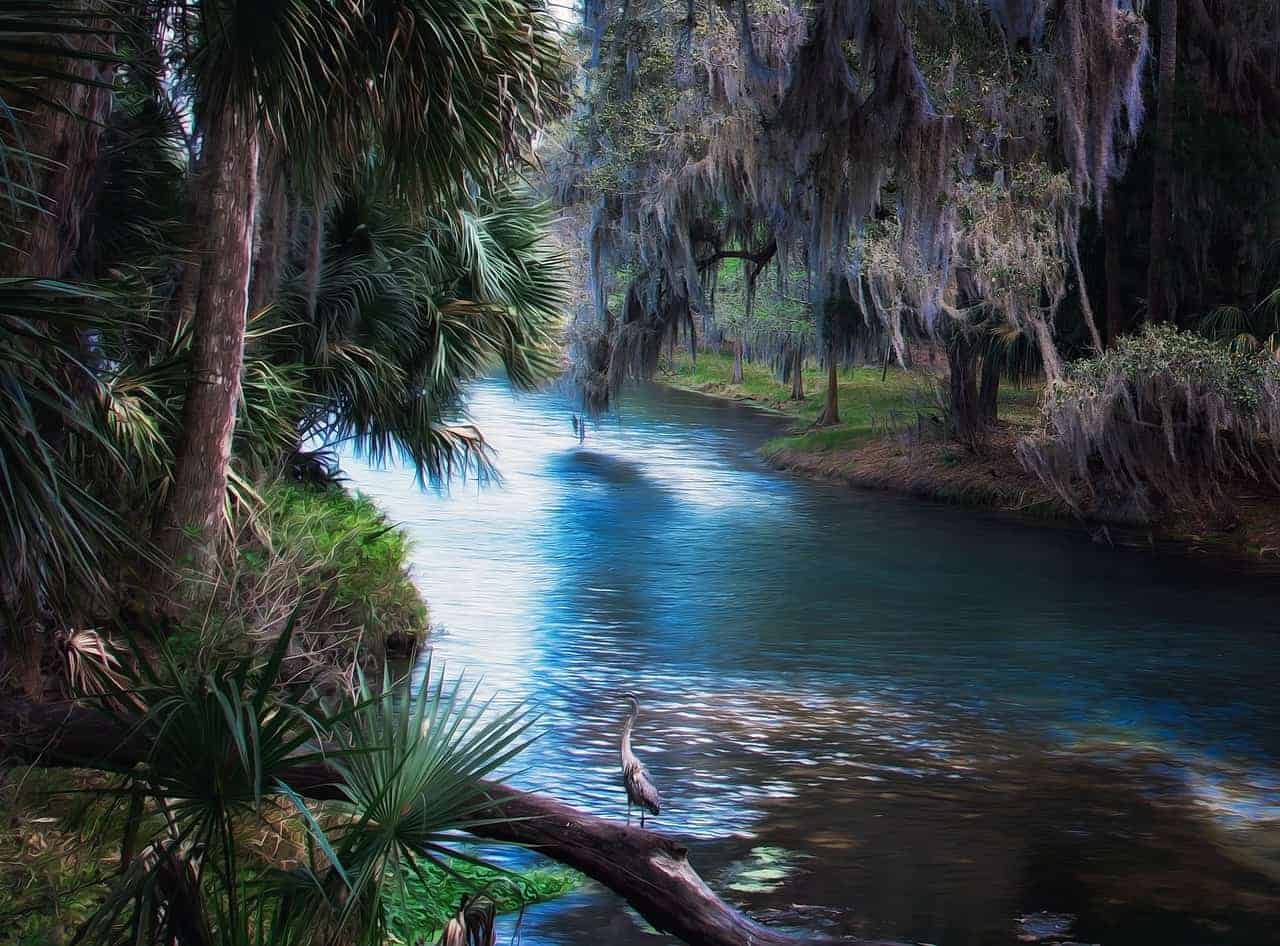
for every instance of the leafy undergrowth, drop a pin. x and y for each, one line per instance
(361, 556)
(60, 850)
(59, 847)
(428, 901)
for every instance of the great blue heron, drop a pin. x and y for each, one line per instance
(635, 777)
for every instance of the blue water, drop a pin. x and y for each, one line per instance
(945, 719)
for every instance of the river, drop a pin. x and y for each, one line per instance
(867, 714)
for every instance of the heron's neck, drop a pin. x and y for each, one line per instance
(627, 725)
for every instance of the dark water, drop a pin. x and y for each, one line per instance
(868, 715)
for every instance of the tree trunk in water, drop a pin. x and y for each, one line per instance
(649, 870)
(737, 361)
(797, 374)
(191, 520)
(1113, 235)
(1159, 305)
(273, 237)
(830, 415)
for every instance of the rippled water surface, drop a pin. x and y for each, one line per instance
(867, 714)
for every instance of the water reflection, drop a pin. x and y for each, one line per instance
(950, 720)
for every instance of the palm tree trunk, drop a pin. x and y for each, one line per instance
(315, 258)
(1159, 304)
(65, 144)
(191, 521)
(273, 235)
(187, 293)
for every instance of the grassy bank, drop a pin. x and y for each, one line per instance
(889, 440)
(879, 442)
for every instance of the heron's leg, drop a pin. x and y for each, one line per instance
(629, 811)
(642, 817)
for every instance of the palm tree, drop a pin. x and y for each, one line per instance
(408, 306)
(224, 741)
(442, 93)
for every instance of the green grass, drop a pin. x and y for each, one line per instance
(872, 402)
(429, 901)
(362, 559)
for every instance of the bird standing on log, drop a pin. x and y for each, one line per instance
(635, 777)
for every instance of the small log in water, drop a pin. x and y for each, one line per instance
(649, 870)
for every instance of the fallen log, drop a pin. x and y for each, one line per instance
(649, 870)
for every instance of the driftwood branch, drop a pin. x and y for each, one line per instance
(649, 870)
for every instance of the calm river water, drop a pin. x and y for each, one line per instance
(867, 715)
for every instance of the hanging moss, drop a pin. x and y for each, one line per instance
(1164, 417)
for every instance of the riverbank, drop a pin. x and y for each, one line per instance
(323, 565)
(889, 439)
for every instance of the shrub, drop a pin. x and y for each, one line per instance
(1165, 416)
(325, 560)
(361, 556)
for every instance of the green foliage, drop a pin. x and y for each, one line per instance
(225, 739)
(431, 896)
(53, 527)
(352, 552)
(56, 852)
(411, 775)
(872, 401)
(408, 307)
(1240, 379)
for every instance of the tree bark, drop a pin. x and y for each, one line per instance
(964, 408)
(315, 258)
(830, 415)
(1159, 304)
(190, 522)
(797, 374)
(989, 391)
(273, 236)
(649, 870)
(65, 143)
(187, 294)
(737, 361)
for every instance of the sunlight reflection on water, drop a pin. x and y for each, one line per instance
(965, 718)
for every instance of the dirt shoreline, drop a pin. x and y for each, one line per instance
(993, 479)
